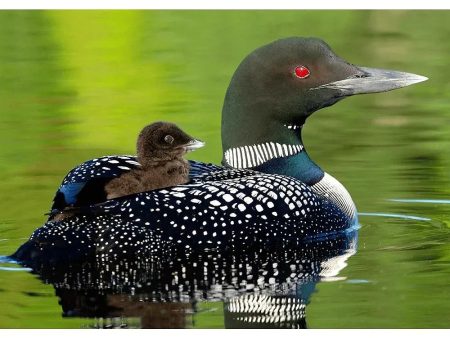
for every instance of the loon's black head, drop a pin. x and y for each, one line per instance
(279, 85)
(163, 141)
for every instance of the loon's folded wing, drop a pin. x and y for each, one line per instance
(84, 184)
(199, 168)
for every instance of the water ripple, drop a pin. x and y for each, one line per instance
(357, 281)
(7, 260)
(411, 200)
(7, 268)
(379, 214)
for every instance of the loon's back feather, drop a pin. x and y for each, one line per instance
(84, 184)
(220, 207)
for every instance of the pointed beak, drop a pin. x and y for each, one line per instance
(373, 80)
(194, 144)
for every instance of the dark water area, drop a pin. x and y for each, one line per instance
(78, 85)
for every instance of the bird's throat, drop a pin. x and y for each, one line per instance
(299, 166)
(285, 155)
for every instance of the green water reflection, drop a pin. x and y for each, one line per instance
(77, 85)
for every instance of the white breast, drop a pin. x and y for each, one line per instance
(333, 190)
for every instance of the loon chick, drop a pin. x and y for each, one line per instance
(269, 190)
(160, 150)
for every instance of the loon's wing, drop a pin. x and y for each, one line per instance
(200, 168)
(84, 185)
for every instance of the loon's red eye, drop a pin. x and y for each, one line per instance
(302, 72)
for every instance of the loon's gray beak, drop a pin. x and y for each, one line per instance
(373, 80)
(194, 144)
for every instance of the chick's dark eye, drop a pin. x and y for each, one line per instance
(168, 139)
(301, 72)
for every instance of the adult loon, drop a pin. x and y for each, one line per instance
(269, 191)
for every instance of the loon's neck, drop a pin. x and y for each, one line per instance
(286, 156)
(299, 166)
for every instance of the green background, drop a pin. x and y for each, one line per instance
(75, 85)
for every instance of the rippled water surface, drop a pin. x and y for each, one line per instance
(78, 85)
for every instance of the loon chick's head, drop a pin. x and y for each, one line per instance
(276, 88)
(164, 141)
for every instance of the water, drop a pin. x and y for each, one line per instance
(78, 85)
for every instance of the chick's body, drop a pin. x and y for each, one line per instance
(163, 174)
(160, 150)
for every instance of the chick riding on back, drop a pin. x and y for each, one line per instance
(160, 150)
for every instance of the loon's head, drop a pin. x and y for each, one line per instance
(162, 141)
(279, 85)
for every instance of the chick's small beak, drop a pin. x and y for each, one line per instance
(193, 145)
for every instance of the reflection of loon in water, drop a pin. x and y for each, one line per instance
(260, 287)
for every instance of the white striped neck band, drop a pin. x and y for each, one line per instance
(255, 155)
(292, 126)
